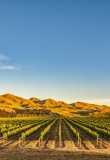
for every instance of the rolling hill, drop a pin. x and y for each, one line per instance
(11, 105)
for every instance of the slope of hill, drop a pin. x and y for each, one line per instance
(17, 105)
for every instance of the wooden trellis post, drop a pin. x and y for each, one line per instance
(79, 140)
(78, 136)
(97, 139)
(20, 141)
(5, 137)
(99, 142)
(40, 141)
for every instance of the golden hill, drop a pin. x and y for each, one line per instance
(13, 104)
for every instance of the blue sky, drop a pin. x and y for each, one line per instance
(56, 48)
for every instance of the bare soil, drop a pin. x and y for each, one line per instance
(40, 154)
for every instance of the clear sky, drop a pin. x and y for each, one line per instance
(56, 48)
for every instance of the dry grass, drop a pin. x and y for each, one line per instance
(38, 154)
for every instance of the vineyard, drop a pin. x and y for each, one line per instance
(55, 133)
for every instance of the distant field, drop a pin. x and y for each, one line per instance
(55, 134)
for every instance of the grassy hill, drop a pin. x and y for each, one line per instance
(11, 105)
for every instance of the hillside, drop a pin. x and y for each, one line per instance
(11, 105)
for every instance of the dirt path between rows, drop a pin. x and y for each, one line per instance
(38, 154)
